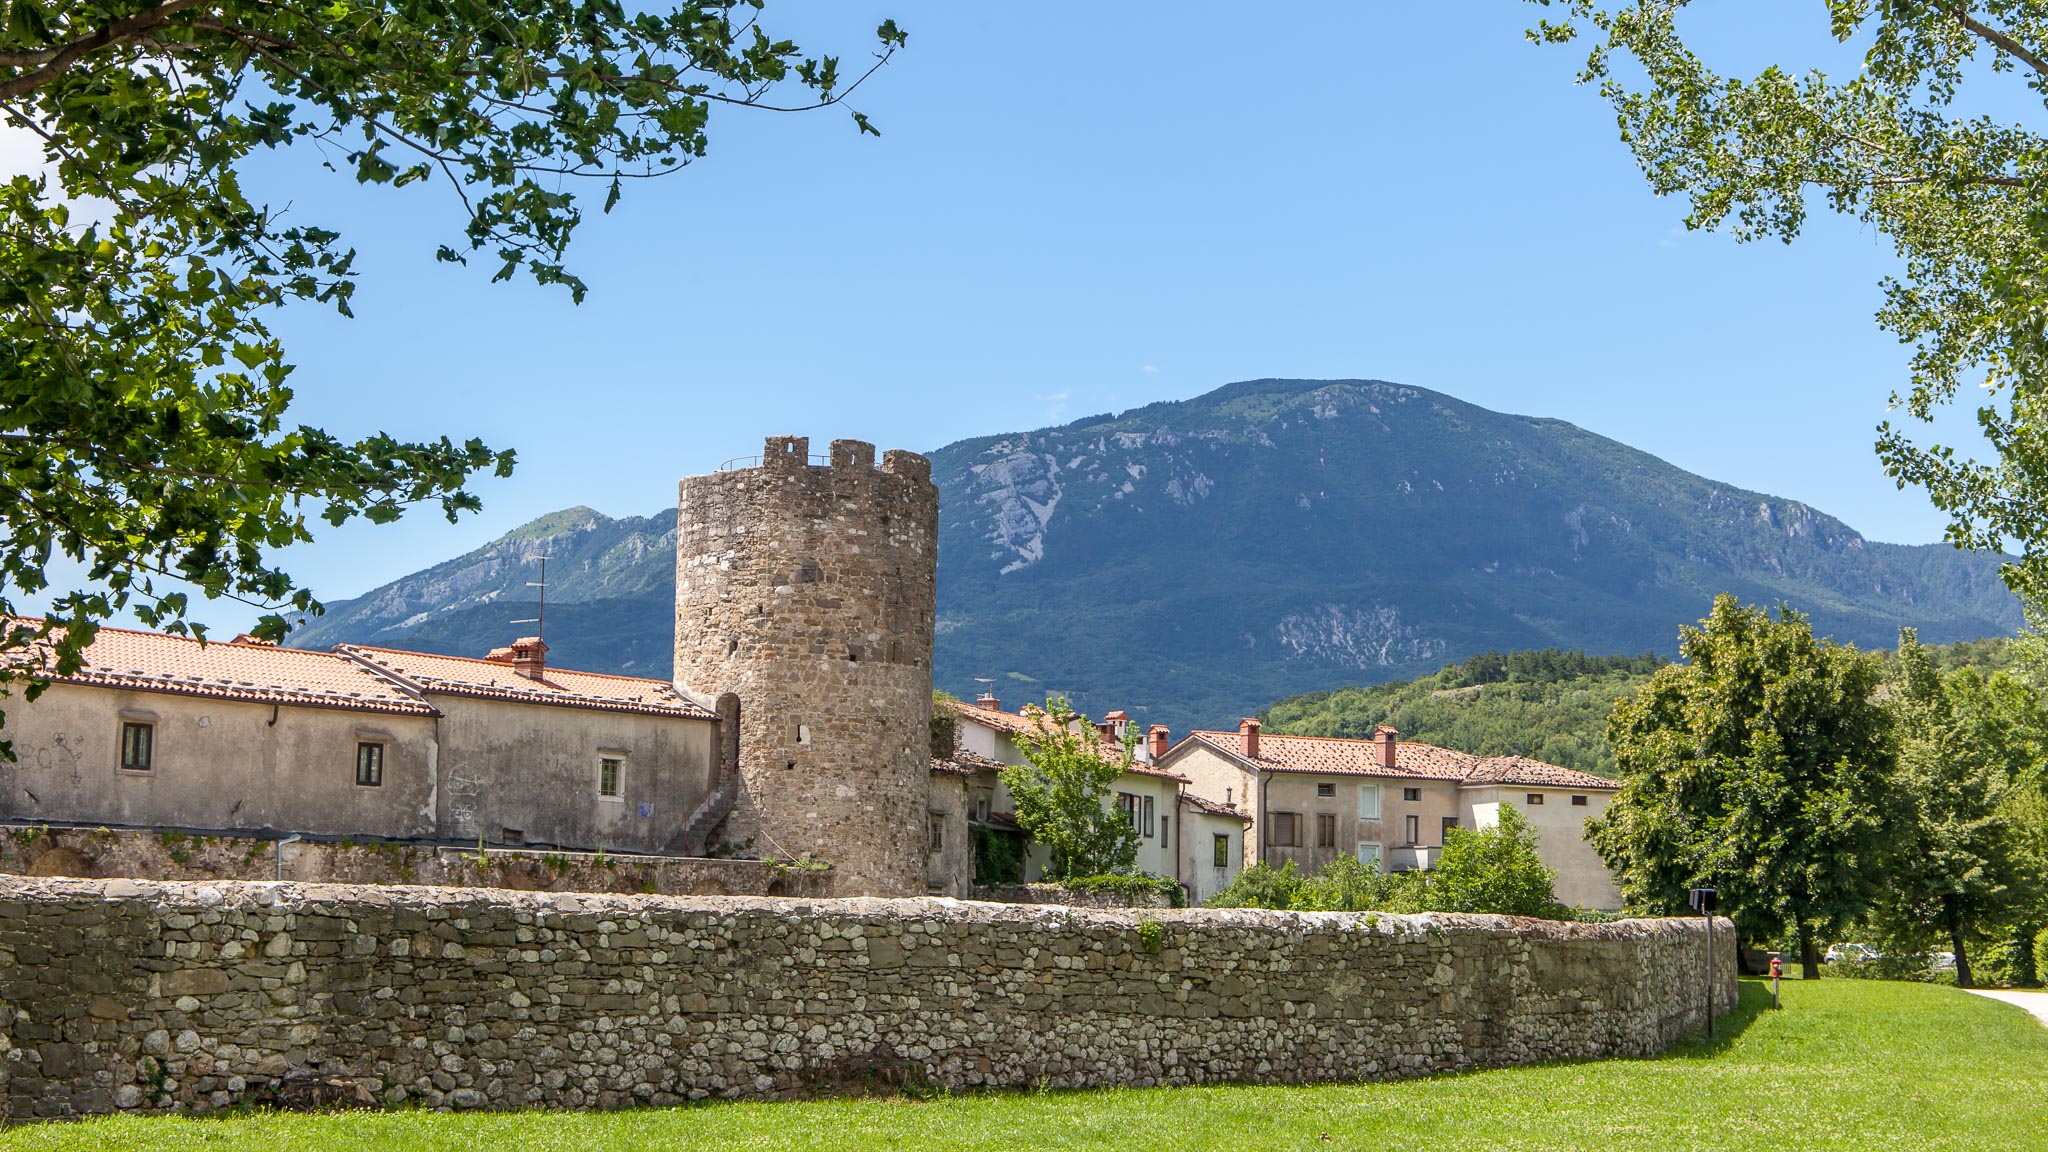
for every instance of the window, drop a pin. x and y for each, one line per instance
(1127, 803)
(1326, 830)
(1411, 829)
(610, 773)
(1450, 822)
(138, 743)
(370, 764)
(1535, 798)
(1369, 855)
(1578, 801)
(1326, 789)
(1163, 822)
(1411, 795)
(1285, 830)
(935, 835)
(1368, 801)
(1150, 818)
(1219, 847)
(981, 807)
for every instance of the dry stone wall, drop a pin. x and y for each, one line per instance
(33, 850)
(152, 996)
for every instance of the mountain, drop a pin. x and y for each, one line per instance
(1191, 561)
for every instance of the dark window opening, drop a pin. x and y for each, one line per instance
(1411, 794)
(1220, 848)
(1326, 830)
(138, 747)
(1411, 827)
(1578, 801)
(370, 765)
(1326, 789)
(1535, 798)
(1151, 818)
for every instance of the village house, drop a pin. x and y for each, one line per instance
(1388, 802)
(157, 731)
(1177, 834)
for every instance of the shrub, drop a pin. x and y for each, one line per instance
(1260, 886)
(1495, 870)
(1130, 884)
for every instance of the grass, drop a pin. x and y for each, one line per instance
(1848, 1064)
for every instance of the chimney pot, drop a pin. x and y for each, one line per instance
(1157, 740)
(1249, 729)
(1389, 746)
(530, 657)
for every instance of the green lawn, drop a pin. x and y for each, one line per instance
(1847, 1064)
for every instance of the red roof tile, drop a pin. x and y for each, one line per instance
(224, 670)
(1331, 756)
(491, 680)
(1014, 724)
(1214, 807)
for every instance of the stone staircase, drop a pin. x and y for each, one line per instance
(711, 811)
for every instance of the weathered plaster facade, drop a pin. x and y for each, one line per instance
(217, 763)
(1583, 878)
(529, 773)
(809, 591)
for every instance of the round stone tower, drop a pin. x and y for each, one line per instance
(808, 590)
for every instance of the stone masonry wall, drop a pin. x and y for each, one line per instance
(147, 996)
(30, 850)
(810, 592)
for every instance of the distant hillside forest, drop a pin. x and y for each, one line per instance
(1548, 703)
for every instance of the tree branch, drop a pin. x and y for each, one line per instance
(51, 63)
(2004, 42)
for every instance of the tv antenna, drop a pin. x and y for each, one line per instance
(988, 686)
(539, 619)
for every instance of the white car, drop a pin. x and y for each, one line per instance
(1944, 961)
(1851, 954)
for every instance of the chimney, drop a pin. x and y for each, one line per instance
(1385, 737)
(1156, 739)
(988, 701)
(530, 657)
(1249, 729)
(1118, 721)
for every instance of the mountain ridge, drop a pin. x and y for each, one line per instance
(1195, 560)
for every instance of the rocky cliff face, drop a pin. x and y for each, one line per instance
(1193, 561)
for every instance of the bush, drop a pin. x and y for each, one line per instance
(1345, 885)
(1496, 870)
(1130, 884)
(1260, 886)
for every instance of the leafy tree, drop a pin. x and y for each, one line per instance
(1760, 766)
(1969, 859)
(1345, 885)
(143, 397)
(1493, 870)
(1062, 791)
(1963, 199)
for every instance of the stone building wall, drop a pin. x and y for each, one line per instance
(809, 591)
(28, 850)
(141, 995)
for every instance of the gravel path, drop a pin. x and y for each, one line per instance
(2035, 1002)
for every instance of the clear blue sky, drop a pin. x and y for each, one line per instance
(1069, 214)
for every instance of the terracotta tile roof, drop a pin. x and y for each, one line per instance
(224, 670)
(1331, 756)
(1214, 807)
(948, 768)
(1013, 724)
(492, 680)
(1522, 770)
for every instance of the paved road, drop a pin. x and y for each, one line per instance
(2035, 1002)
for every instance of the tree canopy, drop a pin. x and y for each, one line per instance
(144, 403)
(1061, 793)
(1969, 845)
(1761, 767)
(1961, 197)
